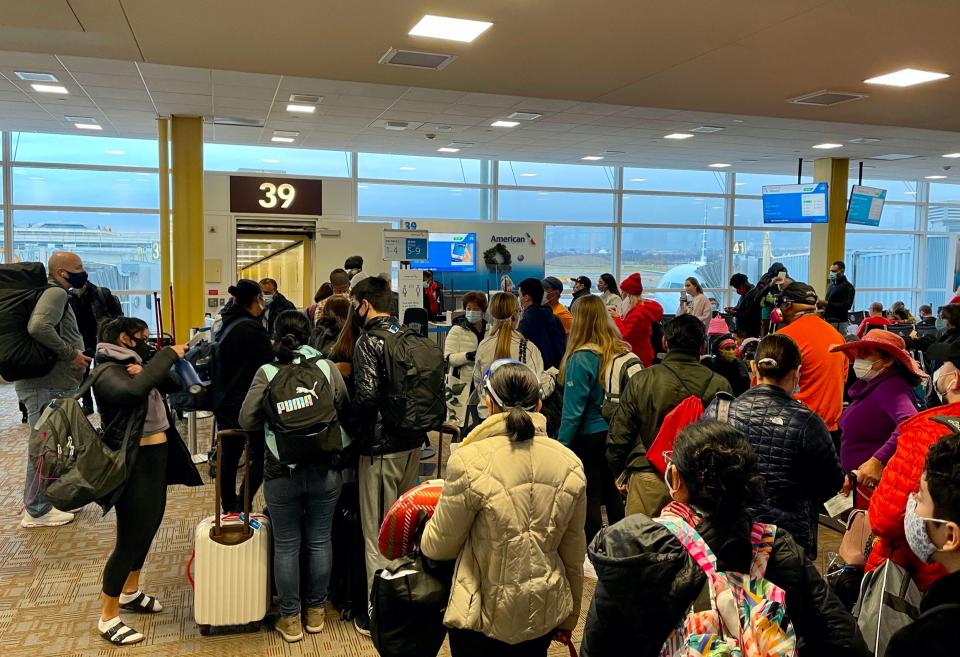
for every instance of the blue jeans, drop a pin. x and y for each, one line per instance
(305, 501)
(35, 400)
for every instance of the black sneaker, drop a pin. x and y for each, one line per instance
(361, 623)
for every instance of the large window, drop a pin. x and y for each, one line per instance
(271, 159)
(672, 180)
(415, 168)
(881, 260)
(522, 205)
(539, 174)
(77, 149)
(84, 188)
(691, 210)
(573, 251)
(422, 202)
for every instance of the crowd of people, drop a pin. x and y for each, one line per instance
(662, 449)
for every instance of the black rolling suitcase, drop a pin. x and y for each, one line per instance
(348, 581)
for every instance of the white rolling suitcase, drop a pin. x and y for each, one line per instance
(232, 560)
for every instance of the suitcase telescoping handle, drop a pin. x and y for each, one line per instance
(233, 534)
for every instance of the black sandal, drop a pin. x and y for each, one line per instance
(122, 635)
(142, 604)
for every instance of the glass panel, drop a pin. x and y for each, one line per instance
(417, 202)
(518, 205)
(674, 180)
(941, 218)
(101, 189)
(538, 174)
(119, 250)
(752, 183)
(269, 159)
(755, 250)
(573, 251)
(880, 260)
(944, 193)
(894, 217)
(139, 305)
(422, 169)
(867, 296)
(82, 149)
(665, 257)
(650, 209)
(936, 291)
(897, 190)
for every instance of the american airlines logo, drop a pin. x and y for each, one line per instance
(513, 239)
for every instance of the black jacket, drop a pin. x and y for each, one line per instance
(92, 305)
(795, 456)
(578, 295)
(840, 298)
(540, 326)
(934, 633)
(122, 400)
(325, 335)
(279, 304)
(747, 312)
(735, 372)
(239, 355)
(647, 581)
(369, 391)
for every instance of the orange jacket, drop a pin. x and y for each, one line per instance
(900, 478)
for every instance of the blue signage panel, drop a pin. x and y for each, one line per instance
(795, 204)
(451, 252)
(866, 205)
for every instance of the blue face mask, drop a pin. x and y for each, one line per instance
(473, 316)
(833, 277)
(941, 324)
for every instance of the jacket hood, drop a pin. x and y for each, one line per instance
(496, 425)
(382, 322)
(107, 352)
(234, 312)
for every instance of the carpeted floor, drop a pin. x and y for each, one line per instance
(50, 578)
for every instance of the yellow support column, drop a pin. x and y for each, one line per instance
(827, 241)
(186, 138)
(163, 143)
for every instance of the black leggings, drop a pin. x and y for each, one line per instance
(229, 463)
(139, 514)
(601, 485)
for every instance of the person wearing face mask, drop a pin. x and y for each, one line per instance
(932, 526)
(129, 393)
(795, 454)
(539, 325)
(724, 362)
(53, 324)
(840, 297)
(460, 352)
(902, 475)
(881, 399)
(947, 326)
(824, 373)
(768, 289)
(274, 303)
(243, 347)
(647, 581)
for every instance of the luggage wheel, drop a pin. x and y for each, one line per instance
(204, 630)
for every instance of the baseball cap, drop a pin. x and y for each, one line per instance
(553, 283)
(585, 281)
(798, 293)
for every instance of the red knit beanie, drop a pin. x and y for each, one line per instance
(632, 285)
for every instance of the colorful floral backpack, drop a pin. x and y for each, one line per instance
(747, 616)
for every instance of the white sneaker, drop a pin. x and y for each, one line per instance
(52, 518)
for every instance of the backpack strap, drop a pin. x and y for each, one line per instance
(683, 383)
(523, 350)
(761, 538)
(952, 423)
(691, 541)
(723, 406)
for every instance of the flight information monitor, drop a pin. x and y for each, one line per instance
(866, 205)
(795, 204)
(450, 252)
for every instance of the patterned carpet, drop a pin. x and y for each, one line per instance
(50, 579)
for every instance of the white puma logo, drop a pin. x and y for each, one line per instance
(309, 391)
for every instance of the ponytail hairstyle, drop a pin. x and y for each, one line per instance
(290, 332)
(718, 467)
(110, 329)
(777, 356)
(514, 389)
(504, 308)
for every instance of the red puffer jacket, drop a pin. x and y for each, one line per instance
(636, 327)
(900, 478)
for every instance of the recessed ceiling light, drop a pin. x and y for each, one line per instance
(448, 149)
(638, 180)
(115, 151)
(718, 165)
(504, 124)
(88, 126)
(827, 146)
(452, 29)
(894, 156)
(678, 135)
(934, 177)
(906, 77)
(952, 155)
(36, 77)
(304, 109)
(268, 160)
(408, 168)
(50, 89)
(592, 158)
(525, 116)
(283, 140)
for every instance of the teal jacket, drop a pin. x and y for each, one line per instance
(582, 397)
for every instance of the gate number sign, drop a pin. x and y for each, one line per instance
(251, 194)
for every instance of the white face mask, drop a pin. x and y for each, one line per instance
(864, 369)
(666, 480)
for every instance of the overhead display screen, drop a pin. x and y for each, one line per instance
(795, 204)
(451, 252)
(866, 205)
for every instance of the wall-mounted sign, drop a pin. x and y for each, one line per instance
(405, 245)
(253, 194)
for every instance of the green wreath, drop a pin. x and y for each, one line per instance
(498, 258)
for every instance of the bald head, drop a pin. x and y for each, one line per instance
(62, 265)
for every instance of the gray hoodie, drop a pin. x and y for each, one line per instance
(54, 325)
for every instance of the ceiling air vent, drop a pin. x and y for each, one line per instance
(36, 77)
(863, 140)
(525, 116)
(305, 98)
(414, 59)
(824, 98)
(233, 120)
(706, 129)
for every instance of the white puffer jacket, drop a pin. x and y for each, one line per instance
(512, 515)
(520, 349)
(460, 341)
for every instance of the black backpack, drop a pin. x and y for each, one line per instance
(203, 356)
(299, 407)
(22, 357)
(415, 372)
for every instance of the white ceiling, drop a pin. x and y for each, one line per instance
(126, 97)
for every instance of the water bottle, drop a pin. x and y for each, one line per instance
(191, 381)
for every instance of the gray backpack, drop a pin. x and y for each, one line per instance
(615, 380)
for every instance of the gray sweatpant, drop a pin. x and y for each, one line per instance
(398, 474)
